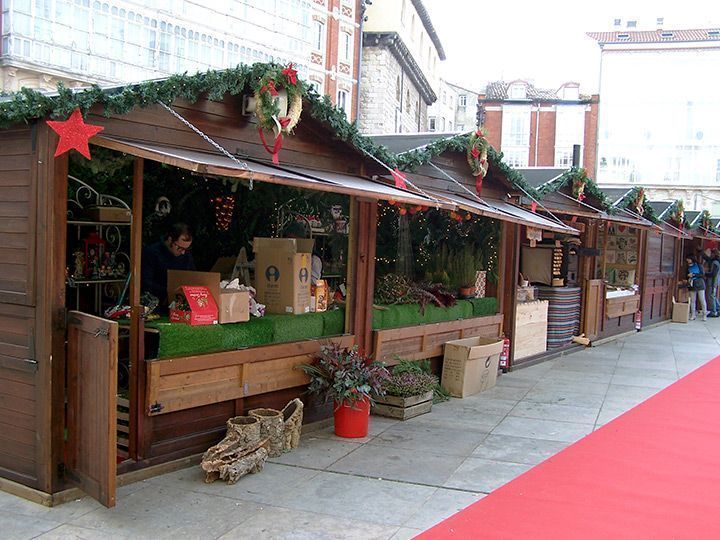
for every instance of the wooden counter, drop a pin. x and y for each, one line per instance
(621, 306)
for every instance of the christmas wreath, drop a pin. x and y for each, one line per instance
(677, 214)
(706, 220)
(578, 184)
(267, 108)
(477, 157)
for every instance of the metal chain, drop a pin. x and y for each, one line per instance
(407, 180)
(210, 141)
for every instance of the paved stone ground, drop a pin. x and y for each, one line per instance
(405, 476)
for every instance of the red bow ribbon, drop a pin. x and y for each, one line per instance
(475, 152)
(270, 87)
(291, 74)
(277, 145)
(399, 178)
(284, 121)
(533, 206)
(478, 184)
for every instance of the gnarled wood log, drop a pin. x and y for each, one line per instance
(242, 440)
(272, 427)
(292, 417)
(251, 463)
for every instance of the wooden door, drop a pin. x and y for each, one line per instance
(593, 308)
(92, 405)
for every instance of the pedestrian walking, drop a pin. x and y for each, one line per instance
(696, 287)
(712, 278)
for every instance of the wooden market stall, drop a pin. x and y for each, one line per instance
(177, 403)
(603, 269)
(440, 168)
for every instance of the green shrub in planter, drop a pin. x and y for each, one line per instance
(408, 384)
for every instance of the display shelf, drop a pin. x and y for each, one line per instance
(82, 222)
(74, 282)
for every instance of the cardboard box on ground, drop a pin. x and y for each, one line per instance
(232, 305)
(282, 274)
(470, 365)
(680, 311)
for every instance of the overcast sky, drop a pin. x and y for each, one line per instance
(544, 42)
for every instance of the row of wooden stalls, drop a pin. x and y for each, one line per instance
(84, 398)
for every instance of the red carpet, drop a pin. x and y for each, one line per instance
(654, 472)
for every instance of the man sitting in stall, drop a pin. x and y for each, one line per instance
(172, 252)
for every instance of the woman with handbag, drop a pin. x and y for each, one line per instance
(696, 287)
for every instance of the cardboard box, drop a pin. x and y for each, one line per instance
(470, 365)
(680, 311)
(232, 305)
(203, 309)
(282, 274)
(112, 214)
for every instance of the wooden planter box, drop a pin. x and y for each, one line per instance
(403, 408)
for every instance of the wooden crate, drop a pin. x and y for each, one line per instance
(427, 340)
(530, 328)
(621, 306)
(403, 408)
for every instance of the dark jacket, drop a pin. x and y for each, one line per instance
(156, 261)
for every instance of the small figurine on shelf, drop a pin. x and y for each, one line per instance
(94, 265)
(112, 264)
(79, 271)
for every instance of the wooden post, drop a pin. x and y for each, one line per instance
(140, 424)
(508, 270)
(364, 274)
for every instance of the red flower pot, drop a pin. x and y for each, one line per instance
(351, 421)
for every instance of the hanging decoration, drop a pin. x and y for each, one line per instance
(477, 157)
(578, 185)
(639, 202)
(224, 208)
(677, 213)
(267, 108)
(399, 178)
(706, 220)
(74, 134)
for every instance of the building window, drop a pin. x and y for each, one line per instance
(460, 127)
(317, 86)
(462, 101)
(442, 123)
(431, 123)
(398, 91)
(403, 12)
(717, 171)
(407, 101)
(516, 158)
(347, 46)
(342, 101)
(517, 91)
(319, 32)
(444, 97)
(417, 112)
(450, 124)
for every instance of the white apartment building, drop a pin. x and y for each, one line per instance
(659, 116)
(120, 41)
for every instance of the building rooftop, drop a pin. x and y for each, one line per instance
(498, 91)
(404, 142)
(537, 176)
(657, 36)
(427, 23)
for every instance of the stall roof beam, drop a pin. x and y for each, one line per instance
(298, 177)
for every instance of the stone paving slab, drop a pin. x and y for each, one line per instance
(404, 476)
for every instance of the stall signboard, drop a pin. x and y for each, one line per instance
(282, 274)
(232, 305)
(200, 307)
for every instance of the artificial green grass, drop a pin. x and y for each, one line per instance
(183, 340)
(399, 315)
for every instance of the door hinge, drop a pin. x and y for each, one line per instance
(156, 408)
(101, 332)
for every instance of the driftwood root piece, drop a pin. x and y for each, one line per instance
(272, 427)
(242, 439)
(251, 463)
(292, 417)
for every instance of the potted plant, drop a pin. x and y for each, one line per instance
(409, 392)
(351, 381)
(464, 265)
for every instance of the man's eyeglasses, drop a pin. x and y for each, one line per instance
(180, 248)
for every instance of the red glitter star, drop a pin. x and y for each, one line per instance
(74, 133)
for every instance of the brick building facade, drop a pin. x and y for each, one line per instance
(538, 128)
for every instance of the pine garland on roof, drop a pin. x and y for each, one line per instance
(578, 174)
(628, 202)
(410, 161)
(28, 105)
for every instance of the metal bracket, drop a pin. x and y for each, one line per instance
(100, 331)
(156, 408)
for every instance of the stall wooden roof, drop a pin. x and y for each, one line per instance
(248, 169)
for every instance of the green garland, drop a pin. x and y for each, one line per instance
(706, 221)
(410, 161)
(477, 153)
(676, 212)
(577, 175)
(630, 199)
